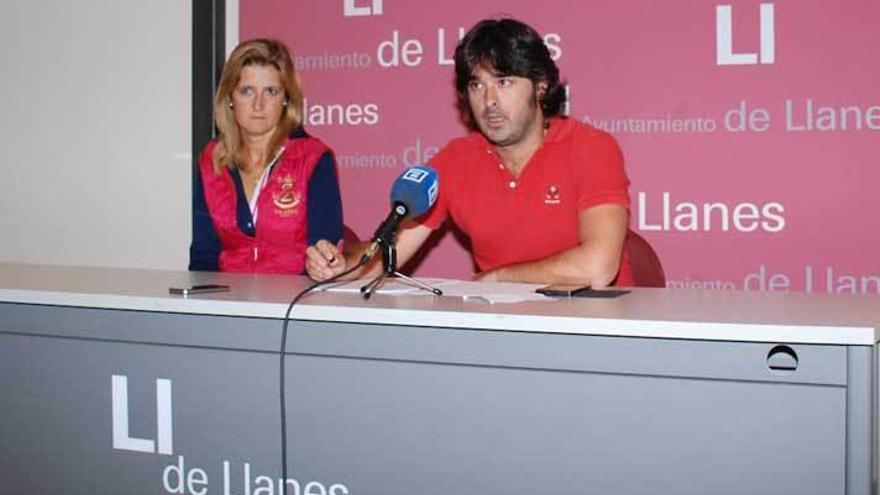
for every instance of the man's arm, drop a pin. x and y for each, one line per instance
(595, 261)
(324, 260)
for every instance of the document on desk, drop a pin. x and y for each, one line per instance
(391, 286)
(493, 292)
(487, 292)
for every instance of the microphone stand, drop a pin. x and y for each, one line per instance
(389, 264)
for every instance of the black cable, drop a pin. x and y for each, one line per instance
(283, 352)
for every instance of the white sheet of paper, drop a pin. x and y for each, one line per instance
(490, 292)
(390, 286)
(494, 292)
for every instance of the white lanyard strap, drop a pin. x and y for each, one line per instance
(258, 188)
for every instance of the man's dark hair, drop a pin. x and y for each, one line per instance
(509, 48)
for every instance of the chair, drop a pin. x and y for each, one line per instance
(349, 237)
(646, 268)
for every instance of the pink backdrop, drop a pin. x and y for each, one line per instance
(751, 132)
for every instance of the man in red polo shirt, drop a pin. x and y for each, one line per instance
(542, 197)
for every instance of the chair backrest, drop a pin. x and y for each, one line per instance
(349, 237)
(646, 268)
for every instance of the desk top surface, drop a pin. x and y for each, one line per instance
(652, 313)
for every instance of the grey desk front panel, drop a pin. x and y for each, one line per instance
(394, 410)
(818, 364)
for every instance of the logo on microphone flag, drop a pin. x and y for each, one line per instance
(415, 175)
(432, 192)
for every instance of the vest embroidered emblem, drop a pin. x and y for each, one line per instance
(552, 196)
(286, 199)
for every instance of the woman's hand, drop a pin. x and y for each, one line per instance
(324, 261)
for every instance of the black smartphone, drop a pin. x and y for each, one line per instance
(198, 289)
(565, 290)
(560, 290)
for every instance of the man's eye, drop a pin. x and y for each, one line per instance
(475, 85)
(505, 82)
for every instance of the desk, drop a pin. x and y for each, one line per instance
(111, 385)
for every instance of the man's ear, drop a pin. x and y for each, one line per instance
(541, 89)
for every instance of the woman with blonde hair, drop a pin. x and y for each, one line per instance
(264, 189)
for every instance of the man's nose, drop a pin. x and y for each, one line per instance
(490, 97)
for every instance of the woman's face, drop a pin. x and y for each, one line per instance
(258, 100)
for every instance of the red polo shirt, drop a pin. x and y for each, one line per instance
(517, 219)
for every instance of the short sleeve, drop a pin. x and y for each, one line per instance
(599, 171)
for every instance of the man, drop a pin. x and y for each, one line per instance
(543, 198)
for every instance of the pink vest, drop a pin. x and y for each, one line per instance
(279, 245)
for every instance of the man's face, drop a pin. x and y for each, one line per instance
(504, 107)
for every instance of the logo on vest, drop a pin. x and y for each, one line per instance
(552, 196)
(287, 199)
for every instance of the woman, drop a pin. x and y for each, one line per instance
(265, 189)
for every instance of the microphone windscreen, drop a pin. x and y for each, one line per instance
(417, 189)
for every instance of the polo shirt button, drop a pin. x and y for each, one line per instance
(512, 184)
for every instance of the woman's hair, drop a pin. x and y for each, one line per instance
(262, 52)
(510, 48)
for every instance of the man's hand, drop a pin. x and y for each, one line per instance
(487, 276)
(324, 261)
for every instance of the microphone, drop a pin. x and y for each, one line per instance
(412, 195)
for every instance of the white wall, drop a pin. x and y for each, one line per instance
(232, 25)
(95, 132)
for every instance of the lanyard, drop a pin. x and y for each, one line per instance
(264, 179)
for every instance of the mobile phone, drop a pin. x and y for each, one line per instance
(564, 290)
(560, 290)
(198, 289)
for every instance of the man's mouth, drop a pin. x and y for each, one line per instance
(494, 119)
